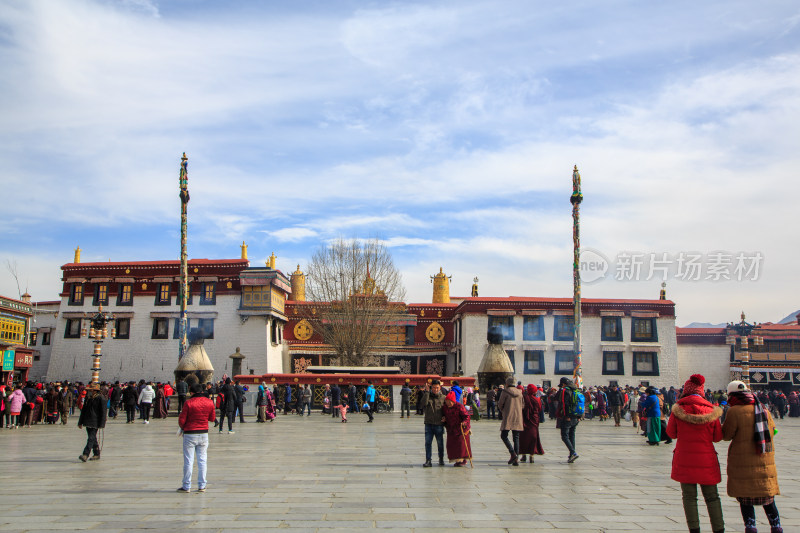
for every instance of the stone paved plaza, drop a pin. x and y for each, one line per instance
(317, 474)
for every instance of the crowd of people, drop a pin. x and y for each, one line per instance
(693, 415)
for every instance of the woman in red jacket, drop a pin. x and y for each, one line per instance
(695, 423)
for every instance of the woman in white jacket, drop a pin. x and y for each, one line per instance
(146, 401)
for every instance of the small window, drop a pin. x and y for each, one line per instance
(163, 296)
(505, 324)
(207, 327)
(564, 329)
(36, 357)
(32, 338)
(209, 294)
(565, 362)
(612, 328)
(123, 327)
(73, 329)
(510, 354)
(160, 328)
(125, 294)
(643, 330)
(645, 364)
(76, 294)
(409, 335)
(534, 362)
(45, 338)
(613, 363)
(533, 328)
(100, 294)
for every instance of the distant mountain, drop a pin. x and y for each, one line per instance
(791, 318)
(705, 325)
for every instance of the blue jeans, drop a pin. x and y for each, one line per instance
(431, 431)
(568, 426)
(196, 442)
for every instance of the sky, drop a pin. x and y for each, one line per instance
(449, 130)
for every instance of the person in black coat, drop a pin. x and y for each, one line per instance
(129, 399)
(93, 417)
(336, 399)
(240, 400)
(228, 407)
(116, 398)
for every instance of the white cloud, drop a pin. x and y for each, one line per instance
(292, 234)
(448, 132)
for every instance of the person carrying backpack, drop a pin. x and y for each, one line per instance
(570, 411)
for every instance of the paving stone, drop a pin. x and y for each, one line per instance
(312, 475)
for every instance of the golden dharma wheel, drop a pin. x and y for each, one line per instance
(272, 380)
(341, 380)
(296, 380)
(318, 380)
(385, 380)
(144, 286)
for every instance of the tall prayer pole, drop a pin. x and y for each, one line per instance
(184, 195)
(576, 200)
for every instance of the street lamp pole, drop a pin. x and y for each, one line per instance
(98, 331)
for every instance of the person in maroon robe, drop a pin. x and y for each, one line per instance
(160, 404)
(529, 442)
(456, 420)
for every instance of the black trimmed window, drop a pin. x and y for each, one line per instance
(208, 296)
(76, 294)
(123, 327)
(643, 330)
(612, 328)
(533, 328)
(409, 335)
(206, 325)
(564, 328)
(73, 329)
(45, 338)
(125, 294)
(645, 364)
(613, 364)
(100, 294)
(534, 362)
(505, 325)
(163, 294)
(510, 354)
(565, 363)
(160, 328)
(32, 336)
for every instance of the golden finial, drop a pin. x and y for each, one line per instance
(244, 250)
(77, 255)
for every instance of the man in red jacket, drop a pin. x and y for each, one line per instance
(197, 412)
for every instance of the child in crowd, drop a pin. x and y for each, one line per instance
(343, 407)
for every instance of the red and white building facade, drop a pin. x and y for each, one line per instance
(624, 341)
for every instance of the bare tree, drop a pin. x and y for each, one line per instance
(355, 294)
(12, 268)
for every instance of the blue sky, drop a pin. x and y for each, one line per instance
(448, 129)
